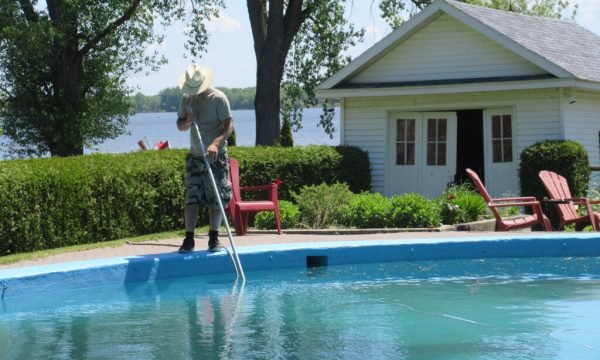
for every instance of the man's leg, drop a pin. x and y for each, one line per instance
(215, 218)
(190, 216)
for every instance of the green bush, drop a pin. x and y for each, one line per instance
(366, 210)
(565, 157)
(414, 211)
(461, 203)
(289, 215)
(285, 137)
(373, 210)
(321, 205)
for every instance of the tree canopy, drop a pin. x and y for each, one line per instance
(395, 12)
(298, 44)
(63, 66)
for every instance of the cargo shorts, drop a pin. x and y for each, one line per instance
(198, 187)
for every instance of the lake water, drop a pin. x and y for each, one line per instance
(161, 127)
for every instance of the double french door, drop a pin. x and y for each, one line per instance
(421, 152)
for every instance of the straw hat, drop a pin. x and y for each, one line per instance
(195, 79)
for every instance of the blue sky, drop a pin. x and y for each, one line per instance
(231, 56)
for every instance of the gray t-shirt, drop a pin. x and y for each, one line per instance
(209, 110)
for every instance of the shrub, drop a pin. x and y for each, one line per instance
(414, 211)
(288, 214)
(461, 203)
(285, 137)
(366, 210)
(565, 157)
(303, 166)
(49, 203)
(321, 205)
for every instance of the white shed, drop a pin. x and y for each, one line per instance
(462, 86)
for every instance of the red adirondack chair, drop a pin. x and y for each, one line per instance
(559, 193)
(240, 210)
(526, 221)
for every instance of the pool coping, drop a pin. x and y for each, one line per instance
(27, 281)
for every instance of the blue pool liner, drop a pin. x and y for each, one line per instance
(111, 271)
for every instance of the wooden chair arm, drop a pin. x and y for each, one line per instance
(514, 199)
(270, 188)
(575, 201)
(258, 187)
(509, 204)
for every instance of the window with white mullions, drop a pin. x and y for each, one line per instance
(437, 137)
(405, 141)
(502, 138)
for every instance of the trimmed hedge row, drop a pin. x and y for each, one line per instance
(56, 202)
(302, 166)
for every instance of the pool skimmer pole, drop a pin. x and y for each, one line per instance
(235, 259)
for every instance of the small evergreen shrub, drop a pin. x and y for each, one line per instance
(285, 137)
(232, 139)
(289, 215)
(321, 205)
(565, 157)
(414, 211)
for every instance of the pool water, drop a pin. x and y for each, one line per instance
(457, 309)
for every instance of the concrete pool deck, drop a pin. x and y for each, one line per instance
(170, 245)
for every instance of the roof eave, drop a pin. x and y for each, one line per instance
(453, 89)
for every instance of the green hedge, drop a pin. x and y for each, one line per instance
(302, 166)
(56, 202)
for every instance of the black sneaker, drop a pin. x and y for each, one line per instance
(213, 241)
(187, 245)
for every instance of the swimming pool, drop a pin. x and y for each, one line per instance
(481, 299)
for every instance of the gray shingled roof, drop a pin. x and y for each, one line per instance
(566, 44)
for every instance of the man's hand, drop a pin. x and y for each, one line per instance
(212, 151)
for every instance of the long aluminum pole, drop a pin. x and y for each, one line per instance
(237, 264)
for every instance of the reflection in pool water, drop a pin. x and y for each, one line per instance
(456, 309)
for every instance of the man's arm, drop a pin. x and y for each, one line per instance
(184, 123)
(213, 149)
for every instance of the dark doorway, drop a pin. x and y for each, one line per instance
(469, 144)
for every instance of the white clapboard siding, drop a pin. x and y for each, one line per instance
(582, 123)
(537, 116)
(446, 49)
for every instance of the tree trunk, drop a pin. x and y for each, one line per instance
(273, 31)
(66, 138)
(267, 101)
